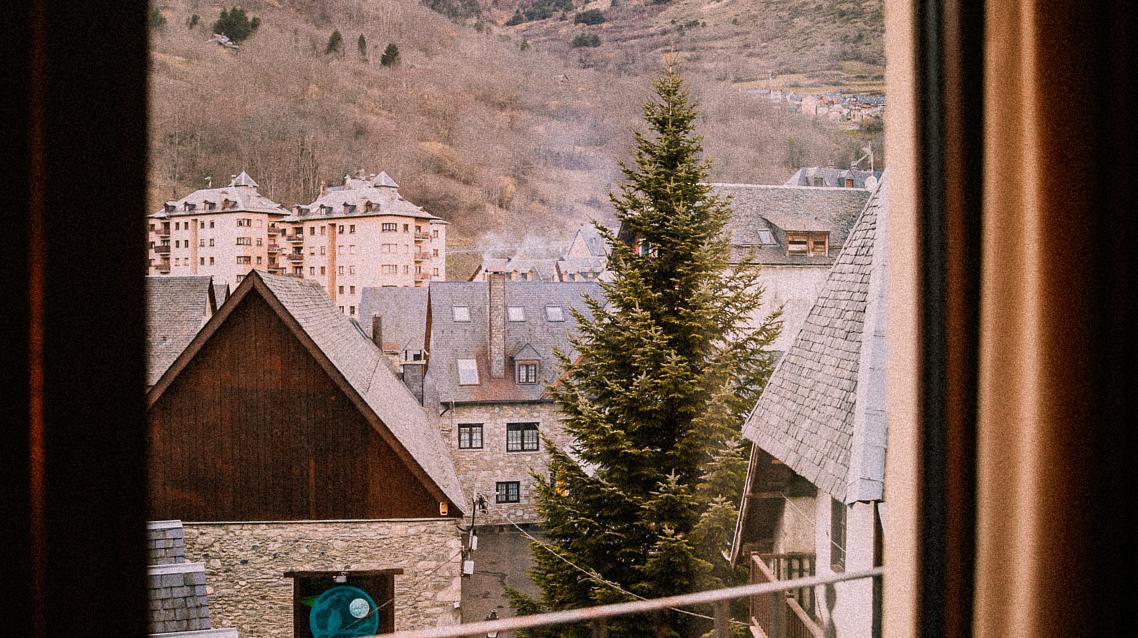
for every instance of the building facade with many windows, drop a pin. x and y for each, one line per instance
(363, 234)
(222, 232)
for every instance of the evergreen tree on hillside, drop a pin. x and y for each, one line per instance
(361, 46)
(390, 55)
(235, 25)
(667, 370)
(335, 43)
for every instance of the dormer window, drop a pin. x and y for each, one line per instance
(213, 205)
(554, 313)
(170, 207)
(814, 244)
(467, 372)
(190, 206)
(797, 244)
(766, 238)
(820, 244)
(526, 372)
(515, 313)
(461, 313)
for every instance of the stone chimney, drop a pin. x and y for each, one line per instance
(377, 331)
(323, 188)
(413, 375)
(496, 311)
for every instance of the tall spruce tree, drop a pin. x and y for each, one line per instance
(655, 401)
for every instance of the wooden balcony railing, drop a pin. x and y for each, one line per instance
(162, 249)
(783, 615)
(296, 239)
(295, 257)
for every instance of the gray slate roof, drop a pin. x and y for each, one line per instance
(782, 208)
(833, 176)
(588, 237)
(451, 340)
(380, 190)
(241, 189)
(823, 411)
(176, 308)
(370, 374)
(404, 329)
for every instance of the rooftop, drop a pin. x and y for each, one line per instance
(176, 308)
(240, 196)
(361, 196)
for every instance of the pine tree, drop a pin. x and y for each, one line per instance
(390, 56)
(666, 372)
(361, 46)
(335, 43)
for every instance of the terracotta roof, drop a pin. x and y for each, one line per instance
(451, 340)
(777, 209)
(176, 308)
(823, 411)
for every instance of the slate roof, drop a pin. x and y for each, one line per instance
(782, 208)
(370, 374)
(176, 308)
(405, 329)
(823, 411)
(451, 340)
(581, 264)
(833, 176)
(220, 292)
(589, 237)
(241, 189)
(380, 190)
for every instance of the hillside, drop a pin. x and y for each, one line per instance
(504, 140)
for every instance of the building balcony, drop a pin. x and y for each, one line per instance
(162, 249)
(422, 256)
(276, 269)
(273, 248)
(296, 239)
(296, 258)
(788, 614)
(164, 231)
(164, 266)
(422, 236)
(422, 276)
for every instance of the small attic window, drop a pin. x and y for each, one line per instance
(516, 313)
(190, 206)
(467, 372)
(213, 205)
(171, 208)
(796, 243)
(554, 313)
(461, 313)
(766, 238)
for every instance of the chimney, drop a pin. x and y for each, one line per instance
(414, 373)
(496, 311)
(377, 331)
(323, 187)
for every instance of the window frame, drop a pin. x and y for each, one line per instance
(470, 429)
(516, 492)
(524, 442)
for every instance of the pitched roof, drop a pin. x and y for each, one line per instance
(779, 209)
(242, 191)
(833, 176)
(451, 340)
(590, 239)
(220, 292)
(402, 330)
(823, 411)
(176, 308)
(351, 198)
(354, 357)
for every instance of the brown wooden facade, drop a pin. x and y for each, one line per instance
(253, 428)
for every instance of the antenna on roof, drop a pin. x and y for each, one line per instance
(209, 181)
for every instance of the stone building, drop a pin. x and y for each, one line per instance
(584, 260)
(793, 233)
(304, 470)
(814, 501)
(223, 232)
(363, 234)
(489, 362)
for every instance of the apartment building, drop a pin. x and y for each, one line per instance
(222, 232)
(363, 234)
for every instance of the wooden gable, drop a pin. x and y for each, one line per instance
(252, 427)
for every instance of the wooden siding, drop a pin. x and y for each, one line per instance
(254, 429)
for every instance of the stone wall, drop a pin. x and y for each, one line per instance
(479, 470)
(245, 566)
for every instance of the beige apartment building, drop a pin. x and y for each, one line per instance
(363, 234)
(223, 232)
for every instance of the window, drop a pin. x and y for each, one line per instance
(352, 229)
(507, 492)
(259, 259)
(322, 270)
(244, 259)
(201, 243)
(351, 290)
(388, 227)
(340, 229)
(461, 313)
(351, 270)
(339, 270)
(766, 238)
(406, 228)
(516, 313)
(527, 372)
(240, 277)
(434, 272)
(211, 261)
(201, 261)
(244, 241)
(312, 270)
(521, 437)
(467, 372)
(351, 249)
(796, 244)
(244, 222)
(211, 241)
(351, 310)
(554, 313)
(819, 245)
(837, 535)
(323, 250)
(340, 249)
(389, 269)
(435, 234)
(202, 225)
(341, 290)
(470, 436)
(323, 230)
(211, 226)
(260, 242)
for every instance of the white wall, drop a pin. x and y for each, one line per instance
(845, 610)
(793, 287)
